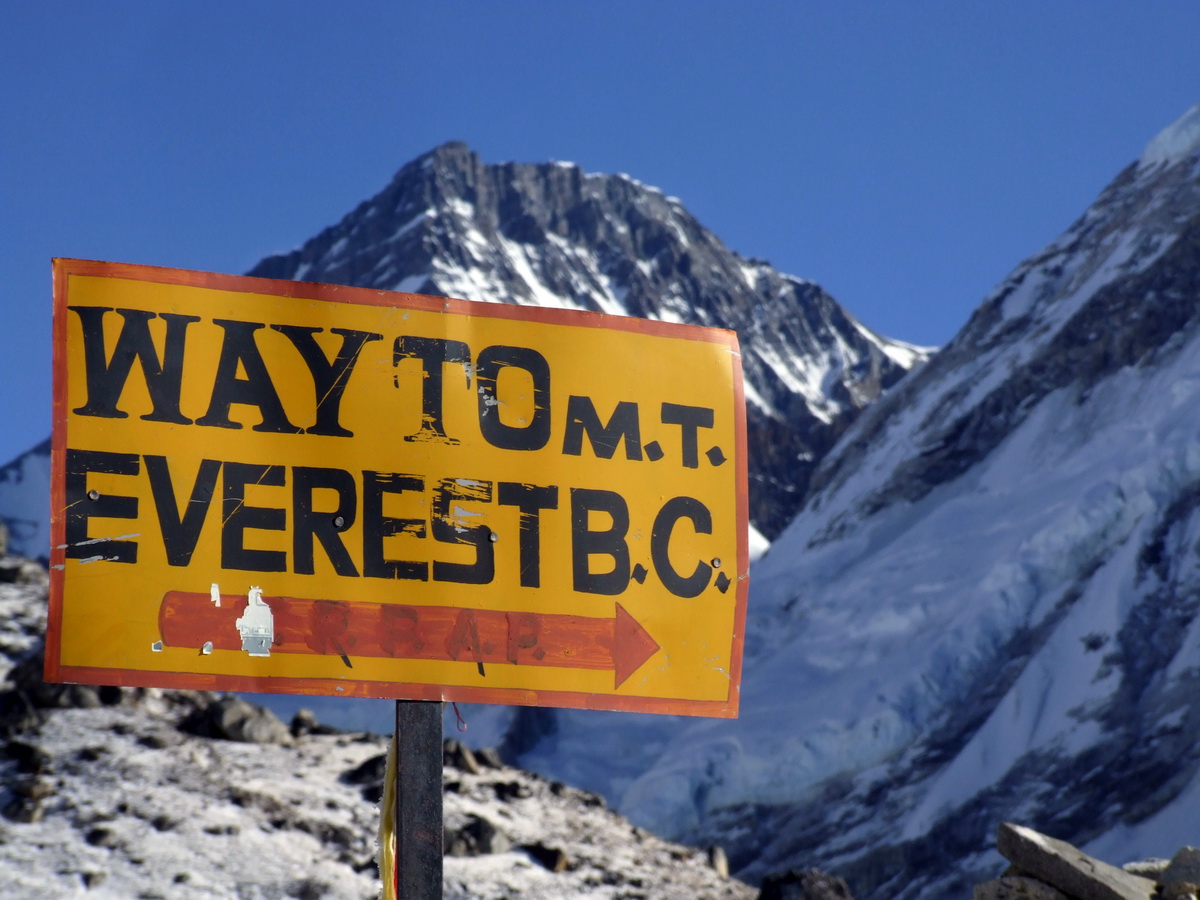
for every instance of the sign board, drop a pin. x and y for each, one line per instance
(279, 486)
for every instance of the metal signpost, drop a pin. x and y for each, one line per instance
(289, 487)
(418, 813)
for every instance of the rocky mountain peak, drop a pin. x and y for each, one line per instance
(550, 234)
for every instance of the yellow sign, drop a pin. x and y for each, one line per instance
(277, 486)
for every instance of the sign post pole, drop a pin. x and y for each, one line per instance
(418, 814)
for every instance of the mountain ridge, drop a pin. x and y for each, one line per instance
(551, 234)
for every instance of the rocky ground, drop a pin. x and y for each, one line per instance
(126, 793)
(122, 793)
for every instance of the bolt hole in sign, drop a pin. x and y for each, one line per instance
(302, 488)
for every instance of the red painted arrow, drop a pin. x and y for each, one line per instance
(348, 628)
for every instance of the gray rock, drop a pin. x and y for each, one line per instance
(369, 771)
(30, 758)
(804, 884)
(34, 788)
(1016, 887)
(459, 756)
(1184, 866)
(102, 836)
(26, 677)
(18, 570)
(550, 858)
(489, 757)
(1068, 868)
(28, 795)
(93, 878)
(304, 722)
(234, 719)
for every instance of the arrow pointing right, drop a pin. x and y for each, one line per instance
(399, 631)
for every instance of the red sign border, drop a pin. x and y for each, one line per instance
(55, 671)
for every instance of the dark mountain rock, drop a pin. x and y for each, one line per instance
(550, 234)
(804, 884)
(450, 225)
(988, 606)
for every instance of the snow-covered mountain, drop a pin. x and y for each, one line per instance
(987, 608)
(554, 235)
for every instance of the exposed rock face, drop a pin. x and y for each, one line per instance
(1180, 880)
(553, 235)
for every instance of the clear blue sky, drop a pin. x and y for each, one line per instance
(904, 155)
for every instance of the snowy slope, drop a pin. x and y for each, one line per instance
(987, 609)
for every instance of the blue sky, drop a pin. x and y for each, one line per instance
(904, 155)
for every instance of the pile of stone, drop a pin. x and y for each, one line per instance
(1044, 868)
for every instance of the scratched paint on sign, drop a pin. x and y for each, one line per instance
(274, 486)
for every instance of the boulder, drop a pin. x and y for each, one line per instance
(718, 860)
(804, 884)
(1181, 879)
(235, 719)
(1068, 868)
(551, 859)
(459, 756)
(304, 723)
(26, 678)
(1016, 887)
(1147, 868)
(478, 837)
